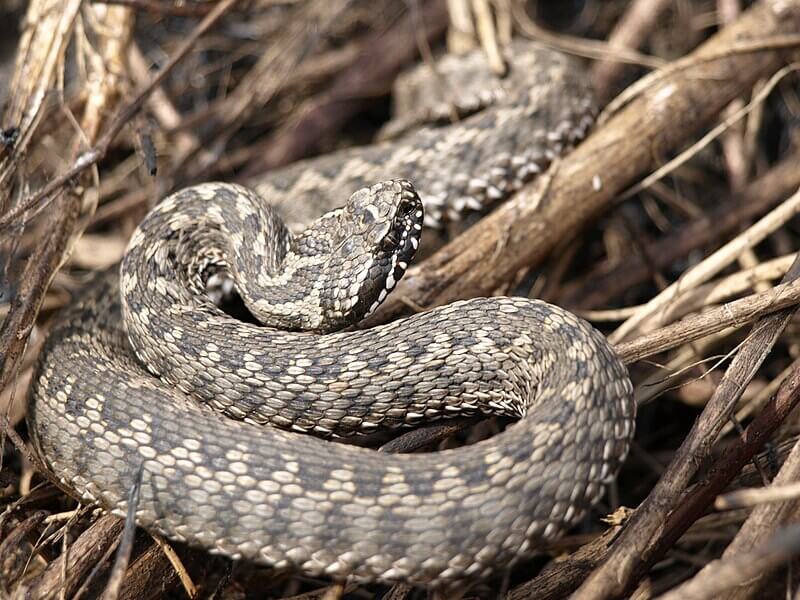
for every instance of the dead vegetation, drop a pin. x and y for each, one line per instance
(672, 227)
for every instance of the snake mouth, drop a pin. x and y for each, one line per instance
(405, 236)
(407, 246)
(401, 238)
(398, 246)
(390, 241)
(408, 213)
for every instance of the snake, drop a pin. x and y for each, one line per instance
(145, 382)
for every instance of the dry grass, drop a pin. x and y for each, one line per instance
(668, 227)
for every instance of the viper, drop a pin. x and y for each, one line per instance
(146, 379)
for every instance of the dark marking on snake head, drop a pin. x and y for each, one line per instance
(376, 233)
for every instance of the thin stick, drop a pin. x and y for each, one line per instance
(125, 549)
(764, 520)
(755, 496)
(765, 192)
(723, 289)
(124, 115)
(186, 580)
(48, 256)
(638, 544)
(706, 294)
(726, 574)
(694, 504)
(595, 49)
(631, 30)
(704, 141)
(733, 314)
(712, 265)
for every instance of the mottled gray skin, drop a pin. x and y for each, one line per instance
(521, 122)
(99, 414)
(331, 276)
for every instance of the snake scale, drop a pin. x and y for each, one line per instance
(145, 377)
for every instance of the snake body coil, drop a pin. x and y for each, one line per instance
(132, 381)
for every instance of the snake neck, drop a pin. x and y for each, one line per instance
(325, 279)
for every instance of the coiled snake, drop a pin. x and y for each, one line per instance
(132, 380)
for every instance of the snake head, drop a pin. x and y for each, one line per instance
(378, 233)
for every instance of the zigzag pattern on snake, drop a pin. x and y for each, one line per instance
(136, 377)
(540, 109)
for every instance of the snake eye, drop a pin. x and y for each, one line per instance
(406, 207)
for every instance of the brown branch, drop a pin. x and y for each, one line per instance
(631, 30)
(522, 232)
(733, 142)
(372, 75)
(723, 575)
(602, 284)
(635, 549)
(763, 522)
(558, 578)
(43, 43)
(120, 120)
(588, 48)
(735, 313)
(63, 216)
(102, 91)
(775, 492)
(698, 500)
(151, 570)
(83, 556)
(15, 549)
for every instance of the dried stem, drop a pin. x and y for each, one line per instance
(735, 313)
(710, 266)
(631, 30)
(597, 288)
(725, 574)
(521, 233)
(64, 210)
(636, 547)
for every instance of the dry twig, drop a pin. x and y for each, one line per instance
(755, 496)
(602, 284)
(710, 266)
(725, 574)
(371, 75)
(631, 30)
(521, 233)
(637, 546)
(64, 210)
(735, 313)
